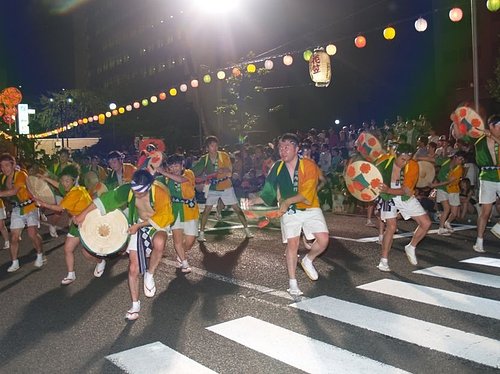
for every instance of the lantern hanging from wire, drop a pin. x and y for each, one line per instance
(251, 68)
(493, 5)
(320, 68)
(221, 74)
(268, 64)
(236, 72)
(331, 49)
(421, 25)
(456, 14)
(389, 33)
(194, 83)
(287, 60)
(307, 55)
(360, 41)
(183, 87)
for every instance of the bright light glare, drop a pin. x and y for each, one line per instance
(215, 6)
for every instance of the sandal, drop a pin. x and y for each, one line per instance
(131, 315)
(67, 281)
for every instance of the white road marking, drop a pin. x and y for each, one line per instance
(156, 358)
(404, 235)
(425, 334)
(434, 296)
(299, 351)
(486, 261)
(462, 275)
(240, 283)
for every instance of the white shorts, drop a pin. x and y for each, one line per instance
(488, 192)
(132, 244)
(189, 227)
(227, 196)
(311, 221)
(453, 198)
(3, 213)
(18, 221)
(408, 209)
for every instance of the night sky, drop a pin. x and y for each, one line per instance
(36, 46)
(382, 79)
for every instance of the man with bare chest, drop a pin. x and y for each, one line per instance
(149, 215)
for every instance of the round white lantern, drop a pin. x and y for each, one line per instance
(287, 60)
(421, 25)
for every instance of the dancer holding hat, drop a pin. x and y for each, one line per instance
(180, 183)
(75, 200)
(400, 174)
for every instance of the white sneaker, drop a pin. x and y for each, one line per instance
(370, 223)
(294, 292)
(40, 261)
(53, 231)
(380, 239)
(410, 253)
(6, 245)
(12, 268)
(149, 284)
(99, 268)
(248, 233)
(201, 237)
(383, 266)
(443, 231)
(478, 248)
(309, 268)
(448, 226)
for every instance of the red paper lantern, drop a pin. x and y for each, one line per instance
(456, 14)
(360, 41)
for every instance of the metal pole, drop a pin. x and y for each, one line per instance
(475, 71)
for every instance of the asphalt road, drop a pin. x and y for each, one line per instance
(232, 313)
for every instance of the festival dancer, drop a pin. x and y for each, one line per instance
(448, 190)
(3, 228)
(488, 159)
(400, 175)
(149, 215)
(120, 173)
(54, 172)
(215, 168)
(180, 183)
(24, 211)
(75, 200)
(294, 181)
